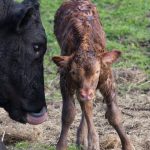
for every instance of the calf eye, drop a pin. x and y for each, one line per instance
(72, 72)
(97, 71)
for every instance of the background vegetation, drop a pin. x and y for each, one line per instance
(126, 23)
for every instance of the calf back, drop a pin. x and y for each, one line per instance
(77, 26)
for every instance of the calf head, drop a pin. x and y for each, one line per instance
(22, 47)
(85, 70)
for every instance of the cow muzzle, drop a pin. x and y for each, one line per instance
(37, 118)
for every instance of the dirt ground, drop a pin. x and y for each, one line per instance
(134, 103)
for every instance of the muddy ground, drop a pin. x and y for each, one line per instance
(134, 102)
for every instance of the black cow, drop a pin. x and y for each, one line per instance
(22, 47)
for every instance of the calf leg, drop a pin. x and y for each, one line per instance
(93, 138)
(68, 115)
(113, 113)
(82, 134)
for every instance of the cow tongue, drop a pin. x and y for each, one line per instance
(37, 118)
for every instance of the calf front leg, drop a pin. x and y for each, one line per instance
(93, 138)
(68, 115)
(113, 113)
(82, 134)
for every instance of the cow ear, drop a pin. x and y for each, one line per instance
(62, 61)
(34, 3)
(110, 57)
(22, 17)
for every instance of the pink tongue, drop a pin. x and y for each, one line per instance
(36, 120)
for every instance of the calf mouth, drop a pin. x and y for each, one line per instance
(86, 98)
(37, 118)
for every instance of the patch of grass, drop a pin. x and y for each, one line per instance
(24, 145)
(125, 23)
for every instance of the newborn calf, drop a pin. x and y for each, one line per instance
(85, 66)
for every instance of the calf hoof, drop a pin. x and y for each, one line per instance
(94, 146)
(61, 146)
(94, 143)
(82, 141)
(82, 144)
(128, 147)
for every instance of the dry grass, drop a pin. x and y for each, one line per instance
(136, 118)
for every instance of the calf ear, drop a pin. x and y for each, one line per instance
(22, 16)
(62, 61)
(110, 57)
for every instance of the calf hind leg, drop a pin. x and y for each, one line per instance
(93, 138)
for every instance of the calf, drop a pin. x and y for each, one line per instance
(22, 47)
(85, 66)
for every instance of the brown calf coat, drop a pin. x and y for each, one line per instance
(85, 68)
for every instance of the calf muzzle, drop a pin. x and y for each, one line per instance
(86, 95)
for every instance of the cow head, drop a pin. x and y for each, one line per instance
(22, 48)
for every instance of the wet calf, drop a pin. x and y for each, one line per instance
(85, 66)
(22, 47)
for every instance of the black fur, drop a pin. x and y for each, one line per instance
(21, 66)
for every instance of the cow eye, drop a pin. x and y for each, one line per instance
(36, 48)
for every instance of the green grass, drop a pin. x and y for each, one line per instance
(126, 24)
(28, 146)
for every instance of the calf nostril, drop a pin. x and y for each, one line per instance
(83, 95)
(86, 94)
(91, 95)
